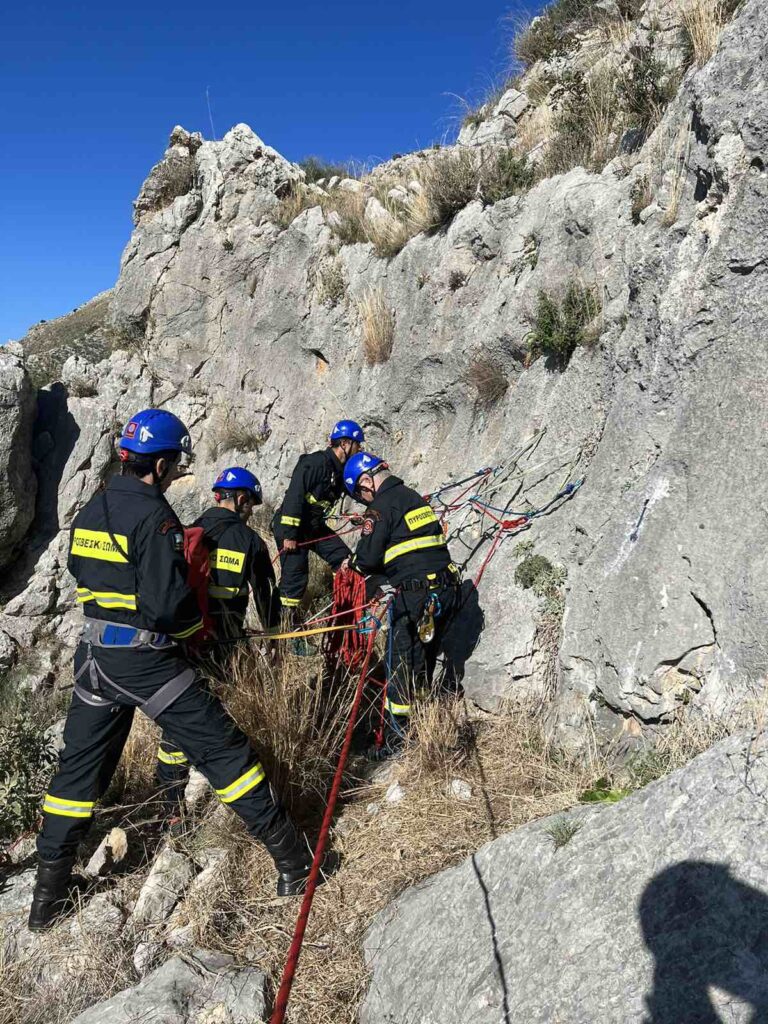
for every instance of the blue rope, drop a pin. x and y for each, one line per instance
(568, 490)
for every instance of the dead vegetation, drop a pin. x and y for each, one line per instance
(377, 324)
(486, 376)
(703, 22)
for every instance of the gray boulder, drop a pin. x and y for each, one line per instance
(656, 904)
(199, 988)
(18, 484)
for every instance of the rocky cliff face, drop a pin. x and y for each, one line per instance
(257, 330)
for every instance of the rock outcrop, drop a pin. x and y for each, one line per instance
(198, 988)
(656, 904)
(18, 484)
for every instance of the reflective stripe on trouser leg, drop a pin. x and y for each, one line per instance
(242, 785)
(94, 738)
(172, 773)
(198, 724)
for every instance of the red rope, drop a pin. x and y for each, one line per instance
(348, 604)
(289, 972)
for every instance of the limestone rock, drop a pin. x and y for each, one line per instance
(17, 480)
(657, 903)
(169, 876)
(109, 853)
(198, 988)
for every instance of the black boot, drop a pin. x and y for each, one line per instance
(49, 896)
(293, 858)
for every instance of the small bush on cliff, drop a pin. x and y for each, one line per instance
(702, 23)
(560, 325)
(26, 763)
(503, 174)
(315, 169)
(553, 32)
(646, 87)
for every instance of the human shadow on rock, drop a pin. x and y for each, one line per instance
(705, 928)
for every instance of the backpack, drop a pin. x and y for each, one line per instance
(196, 555)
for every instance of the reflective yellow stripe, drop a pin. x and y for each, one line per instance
(171, 756)
(98, 544)
(107, 598)
(188, 632)
(67, 808)
(242, 785)
(290, 520)
(418, 517)
(216, 591)
(397, 709)
(290, 602)
(229, 561)
(417, 544)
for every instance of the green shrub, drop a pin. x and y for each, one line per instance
(315, 168)
(26, 763)
(588, 126)
(559, 326)
(537, 573)
(503, 174)
(602, 792)
(553, 32)
(645, 89)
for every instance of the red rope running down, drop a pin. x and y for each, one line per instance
(349, 528)
(289, 972)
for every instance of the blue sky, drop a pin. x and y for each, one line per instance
(91, 91)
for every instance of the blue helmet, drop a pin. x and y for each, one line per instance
(155, 430)
(347, 428)
(238, 479)
(361, 463)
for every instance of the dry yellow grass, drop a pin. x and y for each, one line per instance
(703, 21)
(378, 327)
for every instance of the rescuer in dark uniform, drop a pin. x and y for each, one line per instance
(402, 549)
(238, 561)
(239, 558)
(316, 485)
(126, 554)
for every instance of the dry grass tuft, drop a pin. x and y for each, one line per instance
(486, 375)
(288, 209)
(378, 328)
(449, 183)
(329, 282)
(703, 22)
(388, 236)
(345, 215)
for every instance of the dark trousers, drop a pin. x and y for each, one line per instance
(294, 565)
(195, 727)
(411, 662)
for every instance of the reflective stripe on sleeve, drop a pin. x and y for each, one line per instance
(67, 808)
(289, 602)
(241, 786)
(417, 544)
(290, 520)
(171, 756)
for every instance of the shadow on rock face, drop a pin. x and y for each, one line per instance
(705, 929)
(462, 637)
